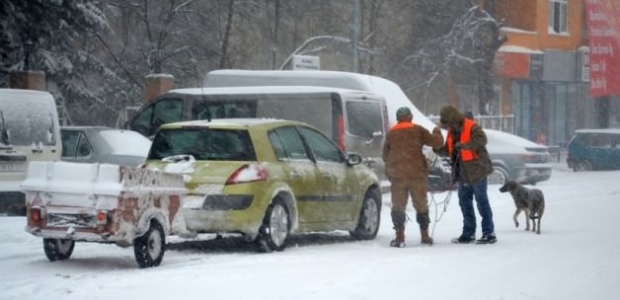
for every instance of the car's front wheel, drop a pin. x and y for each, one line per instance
(499, 176)
(276, 228)
(57, 249)
(150, 247)
(370, 217)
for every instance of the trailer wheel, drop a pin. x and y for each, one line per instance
(149, 248)
(57, 249)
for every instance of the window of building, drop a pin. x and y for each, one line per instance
(558, 16)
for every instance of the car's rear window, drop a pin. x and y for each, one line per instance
(204, 144)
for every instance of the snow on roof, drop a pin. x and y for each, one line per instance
(249, 90)
(518, 49)
(126, 142)
(517, 30)
(598, 130)
(241, 122)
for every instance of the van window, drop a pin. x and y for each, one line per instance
(364, 118)
(24, 122)
(161, 112)
(205, 109)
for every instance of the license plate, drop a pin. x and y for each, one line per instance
(73, 220)
(12, 167)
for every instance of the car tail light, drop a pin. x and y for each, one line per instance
(341, 144)
(248, 173)
(35, 215)
(102, 218)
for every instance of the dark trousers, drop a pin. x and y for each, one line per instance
(466, 202)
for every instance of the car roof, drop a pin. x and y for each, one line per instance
(251, 90)
(235, 123)
(598, 130)
(88, 128)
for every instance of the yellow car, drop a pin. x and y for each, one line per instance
(267, 179)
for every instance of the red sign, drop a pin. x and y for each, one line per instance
(604, 33)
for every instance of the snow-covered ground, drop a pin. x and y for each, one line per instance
(575, 257)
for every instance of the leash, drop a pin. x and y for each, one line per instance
(445, 202)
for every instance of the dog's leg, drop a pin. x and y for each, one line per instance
(527, 219)
(514, 217)
(539, 219)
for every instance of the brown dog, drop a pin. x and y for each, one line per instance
(530, 201)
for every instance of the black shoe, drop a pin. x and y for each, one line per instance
(487, 239)
(464, 239)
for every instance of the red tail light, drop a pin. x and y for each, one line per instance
(248, 173)
(35, 215)
(340, 124)
(102, 217)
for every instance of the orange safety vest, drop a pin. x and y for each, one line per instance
(466, 154)
(402, 125)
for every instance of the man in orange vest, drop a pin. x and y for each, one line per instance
(471, 164)
(407, 171)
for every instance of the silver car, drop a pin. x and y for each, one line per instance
(516, 158)
(95, 144)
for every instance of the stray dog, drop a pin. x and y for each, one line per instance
(530, 201)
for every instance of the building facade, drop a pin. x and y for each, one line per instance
(543, 70)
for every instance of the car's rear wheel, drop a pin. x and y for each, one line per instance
(276, 228)
(370, 217)
(57, 249)
(150, 247)
(499, 176)
(582, 165)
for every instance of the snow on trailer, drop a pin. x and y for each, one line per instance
(68, 202)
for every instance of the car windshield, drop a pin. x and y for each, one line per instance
(203, 144)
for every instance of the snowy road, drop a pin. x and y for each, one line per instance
(575, 257)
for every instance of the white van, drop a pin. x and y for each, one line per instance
(439, 177)
(355, 120)
(29, 131)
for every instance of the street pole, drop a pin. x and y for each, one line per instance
(355, 34)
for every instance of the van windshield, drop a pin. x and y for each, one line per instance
(24, 122)
(364, 118)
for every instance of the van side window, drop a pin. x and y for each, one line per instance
(292, 145)
(142, 122)
(205, 109)
(322, 148)
(364, 118)
(166, 111)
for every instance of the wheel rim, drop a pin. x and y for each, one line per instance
(154, 244)
(584, 166)
(278, 225)
(64, 246)
(497, 177)
(371, 215)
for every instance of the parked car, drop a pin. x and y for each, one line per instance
(516, 158)
(267, 179)
(594, 149)
(95, 144)
(29, 131)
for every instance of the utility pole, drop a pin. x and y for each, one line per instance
(355, 34)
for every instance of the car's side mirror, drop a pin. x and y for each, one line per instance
(354, 159)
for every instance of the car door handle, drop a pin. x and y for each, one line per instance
(37, 150)
(327, 176)
(295, 175)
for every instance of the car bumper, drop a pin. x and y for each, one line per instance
(533, 173)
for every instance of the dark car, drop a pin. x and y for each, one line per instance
(594, 149)
(94, 144)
